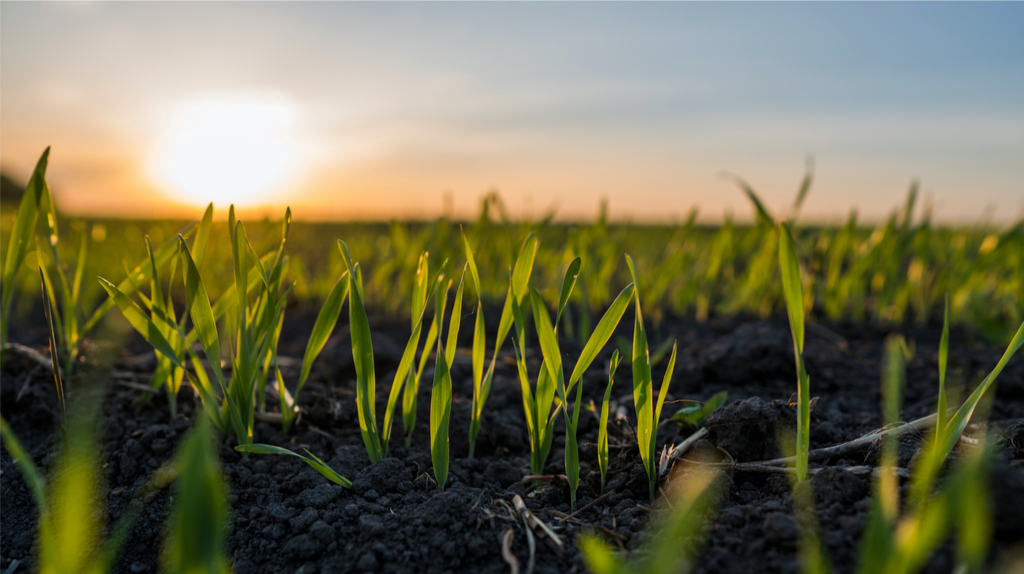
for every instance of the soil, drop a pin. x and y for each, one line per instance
(287, 518)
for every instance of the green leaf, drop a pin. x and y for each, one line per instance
(529, 406)
(199, 516)
(643, 399)
(200, 311)
(943, 361)
(312, 460)
(876, 542)
(955, 427)
(419, 292)
(402, 375)
(143, 324)
(663, 392)
(602, 333)
(325, 322)
(568, 282)
(137, 276)
(801, 193)
(598, 557)
(23, 230)
(553, 362)
(440, 414)
(602, 429)
(697, 414)
(524, 266)
(203, 235)
(548, 341)
(762, 214)
(792, 286)
(26, 465)
(441, 391)
(473, 273)
(455, 322)
(362, 356)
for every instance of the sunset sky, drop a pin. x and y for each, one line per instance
(351, 110)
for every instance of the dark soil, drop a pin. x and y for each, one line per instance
(287, 518)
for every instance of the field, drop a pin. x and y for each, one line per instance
(423, 373)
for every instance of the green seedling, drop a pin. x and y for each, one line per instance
(792, 287)
(878, 540)
(552, 364)
(161, 328)
(69, 524)
(312, 460)
(410, 382)
(69, 317)
(20, 239)
(258, 307)
(647, 414)
(376, 443)
(521, 271)
(538, 404)
(672, 547)
(931, 462)
(481, 382)
(54, 361)
(37, 203)
(197, 528)
(602, 429)
(697, 414)
(441, 390)
(326, 319)
(901, 542)
(362, 357)
(69, 312)
(70, 504)
(940, 413)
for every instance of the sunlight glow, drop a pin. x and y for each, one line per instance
(239, 152)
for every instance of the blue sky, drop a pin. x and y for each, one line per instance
(398, 105)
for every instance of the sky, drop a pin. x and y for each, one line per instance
(382, 110)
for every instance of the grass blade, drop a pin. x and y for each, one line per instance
(312, 460)
(524, 266)
(792, 288)
(21, 235)
(362, 356)
(643, 400)
(568, 282)
(441, 389)
(29, 470)
(145, 326)
(199, 517)
(943, 361)
(762, 214)
(135, 277)
(200, 311)
(956, 425)
(553, 363)
(325, 322)
(602, 429)
(602, 333)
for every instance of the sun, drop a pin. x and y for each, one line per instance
(240, 152)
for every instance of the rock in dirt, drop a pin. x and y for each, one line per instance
(383, 477)
(832, 485)
(747, 429)
(909, 444)
(753, 351)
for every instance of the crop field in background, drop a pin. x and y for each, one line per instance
(895, 271)
(597, 395)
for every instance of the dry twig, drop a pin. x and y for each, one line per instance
(506, 551)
